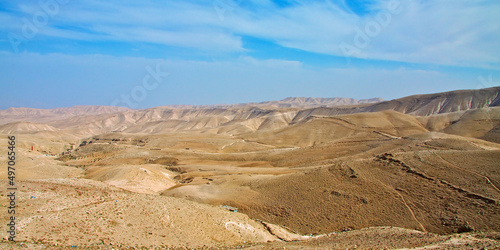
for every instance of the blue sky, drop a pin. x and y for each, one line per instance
(140, 54)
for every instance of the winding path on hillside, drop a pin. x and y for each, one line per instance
(470, 171)
(406, 205)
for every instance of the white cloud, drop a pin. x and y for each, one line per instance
(464, 33)
(458, 32)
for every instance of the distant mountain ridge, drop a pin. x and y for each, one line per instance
(419, 105)
(233, 119)
(45, 115)
(75, 110)
(290, 102)
(304, 102)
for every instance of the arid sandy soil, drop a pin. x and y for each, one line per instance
(256, 178)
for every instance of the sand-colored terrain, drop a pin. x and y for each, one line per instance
(273, 177)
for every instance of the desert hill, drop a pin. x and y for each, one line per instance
(235, 119)
(25, 127)
(320, 130)
(420, 105)
(479, 123)
(420, 171)
(45, 115)
(446, 102)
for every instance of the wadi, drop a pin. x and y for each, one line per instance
(421, 171)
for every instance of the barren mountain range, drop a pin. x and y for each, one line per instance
(419, 171)
(238, 118)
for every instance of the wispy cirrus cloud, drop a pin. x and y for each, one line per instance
(460, 32)
(178, 24)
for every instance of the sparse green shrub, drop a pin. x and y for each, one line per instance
(167, 161)
(66, 158)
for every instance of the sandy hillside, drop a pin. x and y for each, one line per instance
(416, 172)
